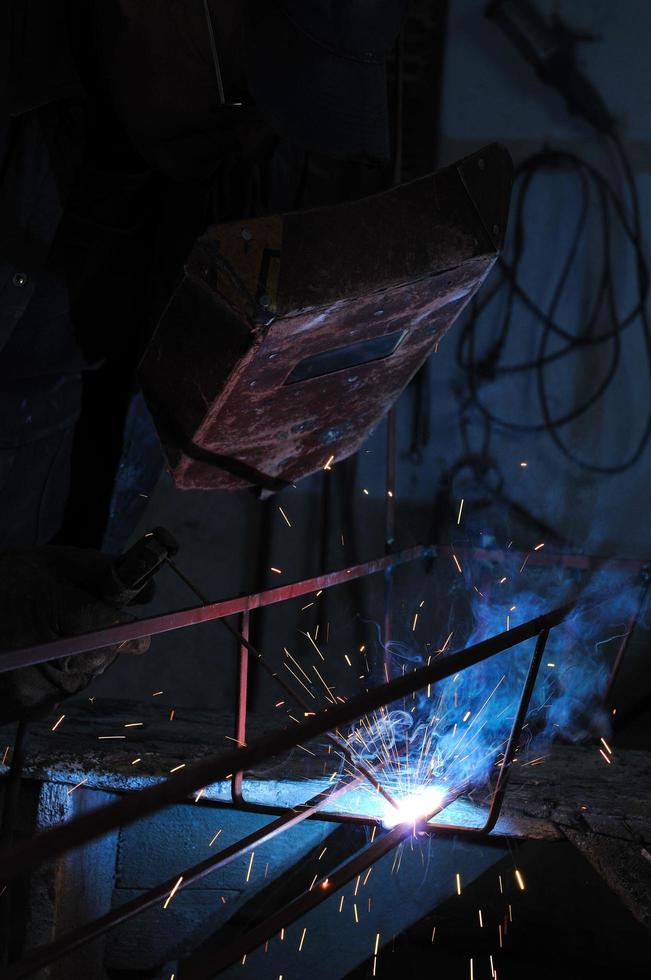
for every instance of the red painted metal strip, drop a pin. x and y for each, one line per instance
(114, 635)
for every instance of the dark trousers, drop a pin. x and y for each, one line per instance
(34, 482)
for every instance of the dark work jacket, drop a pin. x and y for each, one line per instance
(69, 235)
(72, 247)
(66, 226)
(96, 215)
(41, 133)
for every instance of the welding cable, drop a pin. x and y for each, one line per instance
(480, 367)
(485, 368)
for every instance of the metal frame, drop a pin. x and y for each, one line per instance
(234, 762)
(72, 646)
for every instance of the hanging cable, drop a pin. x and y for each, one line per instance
(489, 364)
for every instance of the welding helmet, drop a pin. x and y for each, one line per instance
(289, 336)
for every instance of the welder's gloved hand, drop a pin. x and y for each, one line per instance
(47, 593)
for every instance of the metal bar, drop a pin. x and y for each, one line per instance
(497, 799)
(389, 531)
(71, 646)
(516, 731)
(215, 55)
(390, 502)
(91, 930)
(390, 496)
(275, 810)
(152, 626)
(246, 644)
(626, 639)
(336, 816)
(240, 711)
(208, 963)
(580, 562)
(12, 784)
(89, 826)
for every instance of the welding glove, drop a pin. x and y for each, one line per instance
(48, 593)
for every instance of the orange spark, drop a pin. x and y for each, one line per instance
(173, 892)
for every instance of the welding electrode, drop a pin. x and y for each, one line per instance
(130, 573)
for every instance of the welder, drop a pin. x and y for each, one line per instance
(125, 127)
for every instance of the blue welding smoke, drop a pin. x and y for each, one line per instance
(456, 732)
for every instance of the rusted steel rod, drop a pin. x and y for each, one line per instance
(91, 930)
(70, 646)
(212, 769)
(241, 706)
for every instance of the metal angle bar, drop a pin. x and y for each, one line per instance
(212, 769)
(206, 963)
(84, 934)
(71, 646)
